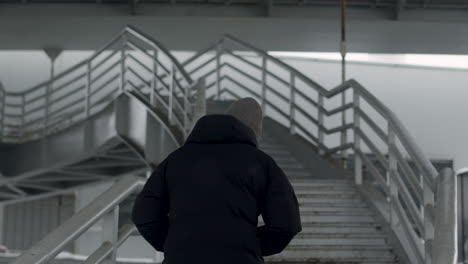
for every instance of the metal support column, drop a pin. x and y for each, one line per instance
(344, 154)
(3, 111)
(23, 106)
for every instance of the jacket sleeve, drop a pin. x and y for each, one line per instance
(280, 213)
(151, 208)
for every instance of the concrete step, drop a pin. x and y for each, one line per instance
(312, 212)
(336, 195)
(306, 200)
(337, 239)
(337, 218)
(318, 190)
(349, 210)
(272, 260)
(337, 252)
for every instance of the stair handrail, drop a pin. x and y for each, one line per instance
(416, 187)
(106, 207)
(77, 82)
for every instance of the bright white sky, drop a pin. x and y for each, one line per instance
(449, 61)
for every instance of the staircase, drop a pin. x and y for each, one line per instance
(338, 225)
(134, 108)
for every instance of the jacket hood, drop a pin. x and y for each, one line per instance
(221, 129)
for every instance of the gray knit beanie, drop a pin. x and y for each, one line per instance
(249, 112)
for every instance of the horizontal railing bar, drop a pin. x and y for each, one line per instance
(412, 207)
(380, 157)
(279, 62)
(138, 76)
(372, 124)
(64, 85)
(74, 91)
(36, 98)
(412, 178)
(69, 105)
(46, 249)
(374, 171)
(106, 71)
(104, 85)
(338, 89)
(229, 52)
(138, 48)
(104, 98)
(412, 237)
(151, 41)
(307, 115)
(112, 54)
(202, 65)
(337, 129)
(338, 148)
(338, 109)
(306, 131)
(200, 53)
(137, 61)
(243, 73)
(413, 149)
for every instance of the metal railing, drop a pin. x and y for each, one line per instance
(132, 62)
(408, 179)
(105, 207)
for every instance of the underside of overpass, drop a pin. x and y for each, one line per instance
(385, 26)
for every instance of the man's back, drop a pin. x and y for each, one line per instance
(213, 189)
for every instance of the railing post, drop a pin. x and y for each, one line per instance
(357, 139)
(154, 82)
(110, 226)
(23, 106)
(171, 95)
(200, 101)
(46, 107)
(218, 70)
(391, 175)
(292, 99)
(122, 63)
(320, 126)
(187, 90)
(344, 133)
(88, 88)
(2, 131)
(426, 212)
(263, 99)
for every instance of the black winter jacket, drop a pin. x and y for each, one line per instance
(202, 203)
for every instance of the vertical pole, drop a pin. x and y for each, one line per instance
(122, 64)
(292, 99)
(357, 139)
(320, 126)
(154, 83)
(171, 95)
(200, 101)
(218, 71)
(263, 99)
(88, 88)
(343, 78)
(392, 198)
(110, 225)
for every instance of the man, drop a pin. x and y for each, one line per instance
(202, 203)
